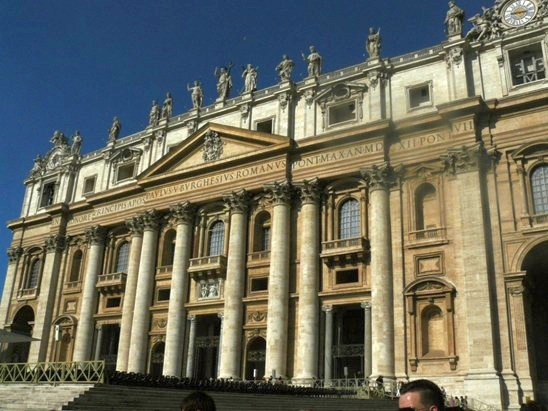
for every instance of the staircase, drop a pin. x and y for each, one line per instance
(38, 397)
(127, 398)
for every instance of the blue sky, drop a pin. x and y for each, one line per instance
(74, 65)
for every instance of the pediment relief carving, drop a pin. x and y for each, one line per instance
(213, 145)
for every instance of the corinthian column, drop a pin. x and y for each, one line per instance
(48, 285)
(182, 215)
(278, 281)
(135, 226)
(143, 297)
(231, 337)
(380, 180)
(14, 255)
(84, 334)
(308, 316)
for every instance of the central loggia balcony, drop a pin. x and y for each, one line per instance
(345, 251)
(112, 282)
(206, 267)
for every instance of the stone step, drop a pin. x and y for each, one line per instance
(125, 398)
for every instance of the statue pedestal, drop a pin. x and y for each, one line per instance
(219, 103)
(311, 81)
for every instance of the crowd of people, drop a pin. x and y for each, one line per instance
(269, 386)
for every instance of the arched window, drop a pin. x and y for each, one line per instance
(216, 238)
(349, 219)
(76, 266)
(262, 232)
(34, 274)
(539, 187)
(122, 258)
(426, 207)
(168, 251)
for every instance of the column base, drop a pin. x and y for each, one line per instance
(484, 386)
(304, 381)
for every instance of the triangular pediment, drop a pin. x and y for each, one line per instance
(215, 146)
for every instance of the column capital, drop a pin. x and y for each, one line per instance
(182, 213)
(237, 201)
(191, 318)
(55, 243)
(13, 254)
(280, 193)
(151, 220)
(135, 226)
(221, 316)
(96, 235)
(327, 308)
(464, 159)
(379, 177)
(309, 191)
(366, 305)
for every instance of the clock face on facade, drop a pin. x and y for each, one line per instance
(519, 12)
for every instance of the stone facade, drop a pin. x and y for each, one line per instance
(390, 218)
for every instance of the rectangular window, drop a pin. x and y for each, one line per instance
(342, 112)
(113, 302)
(266, 126)
(89, 185)
(527, 65)
(163, 294)
(125, 172)
(419, 96)
(259, 284)
(346, 277)
(48, 194)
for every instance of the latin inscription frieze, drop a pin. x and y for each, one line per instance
(338, 155)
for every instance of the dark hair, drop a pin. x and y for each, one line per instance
(429, 392)
(198, 401)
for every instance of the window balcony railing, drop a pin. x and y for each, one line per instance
(164, 270)
(345, 251)
(258, 258)
(430, 234)
(540, 219)
(210, 266)
(112, 282)
(27, 293)
(73, 286)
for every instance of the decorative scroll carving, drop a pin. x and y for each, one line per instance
(96, 235)
(464, 159)
(161, 322)
(14, 253)
(213, 146)
(55, 243)
(280, 193)
(454, 56)
(151, 220)
(237, 201)
(182, 213)
(310, 191)
(135, 225)
(284, 99)
(516, 291)
(379, 177)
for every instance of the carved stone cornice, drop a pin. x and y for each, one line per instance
(465, 159)
(237, 201)
(96, 235)
(55, 243)
(182, 213)
(14, 253)
(381, 177)
(135, 225)
(309, 191)
(151, 220)
(280, 193)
